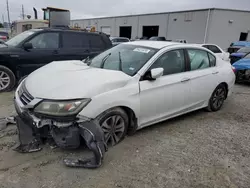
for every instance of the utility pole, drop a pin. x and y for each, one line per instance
(3, 18)
(8, 11)
(22, 12)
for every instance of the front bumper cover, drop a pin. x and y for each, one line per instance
(64, 133)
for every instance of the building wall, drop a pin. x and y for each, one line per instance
(153, 20)
(189, 26)
(222, 32)
(126, 21)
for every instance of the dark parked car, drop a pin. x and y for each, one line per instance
(239, 54)
(235, 46)
(118, 40)
(34, 48)
(158, 38)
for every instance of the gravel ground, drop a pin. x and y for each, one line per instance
(200, 150)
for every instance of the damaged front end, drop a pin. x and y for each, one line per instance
(242, 69)
(243, 75)
(41, 120)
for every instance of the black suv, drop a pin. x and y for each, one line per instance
(34, 48)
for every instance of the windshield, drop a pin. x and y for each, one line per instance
(244, 50)
(19, 38)
(124, 57)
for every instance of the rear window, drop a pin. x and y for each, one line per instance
(247, 56)
(244, 50)
(4, 34)
(75, 40)
(96, 41)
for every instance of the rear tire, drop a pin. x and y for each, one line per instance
(114, 123)
(7, 79)
(217, 99)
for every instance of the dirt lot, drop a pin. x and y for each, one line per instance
(200, 150)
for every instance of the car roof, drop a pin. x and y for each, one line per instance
(163, 44)
(118, 38)
(241, 43)
(153, 44)
(67, 30)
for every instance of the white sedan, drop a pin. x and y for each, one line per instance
(127, 87)
(218, 51)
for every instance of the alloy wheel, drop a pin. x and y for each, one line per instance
(4, 80)
(113, 128)
(218, 98)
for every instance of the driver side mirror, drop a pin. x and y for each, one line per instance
(28, 46)
(153, 74)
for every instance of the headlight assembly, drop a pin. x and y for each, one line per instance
(61, 108)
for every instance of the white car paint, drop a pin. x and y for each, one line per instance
(222, 54)
(151, 101)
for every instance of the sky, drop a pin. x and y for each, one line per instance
(98, 8)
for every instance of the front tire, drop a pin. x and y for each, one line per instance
(7, 79)
(114, 123)
(217, 99)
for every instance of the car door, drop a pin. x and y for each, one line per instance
(203, 76)
(75, 45)
(44, 50)
(168, 95)
(97, 44)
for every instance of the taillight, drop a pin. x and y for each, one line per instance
(3, 37)
(234, 69)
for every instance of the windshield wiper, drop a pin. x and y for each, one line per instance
(104, 60)
(120, 61)
(87, 61)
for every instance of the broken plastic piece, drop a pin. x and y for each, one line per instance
(88, 163)
(10, 120)
(29, 148)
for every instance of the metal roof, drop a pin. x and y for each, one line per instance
(159, 13)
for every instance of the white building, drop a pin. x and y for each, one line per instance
(219, 26)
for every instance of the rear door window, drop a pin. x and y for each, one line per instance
(75, 40)
(198, 59)
(96, 42)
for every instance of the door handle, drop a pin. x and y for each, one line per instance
(216, 72)
(185, 79)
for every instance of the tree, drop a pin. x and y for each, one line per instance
(1, 25)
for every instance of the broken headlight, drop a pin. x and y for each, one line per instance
(61, 108)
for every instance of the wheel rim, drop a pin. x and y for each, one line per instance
(113, 128)
(4, 80)
(218, 98)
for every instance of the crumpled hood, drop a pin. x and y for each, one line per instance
(73, 80)
(242, 64)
